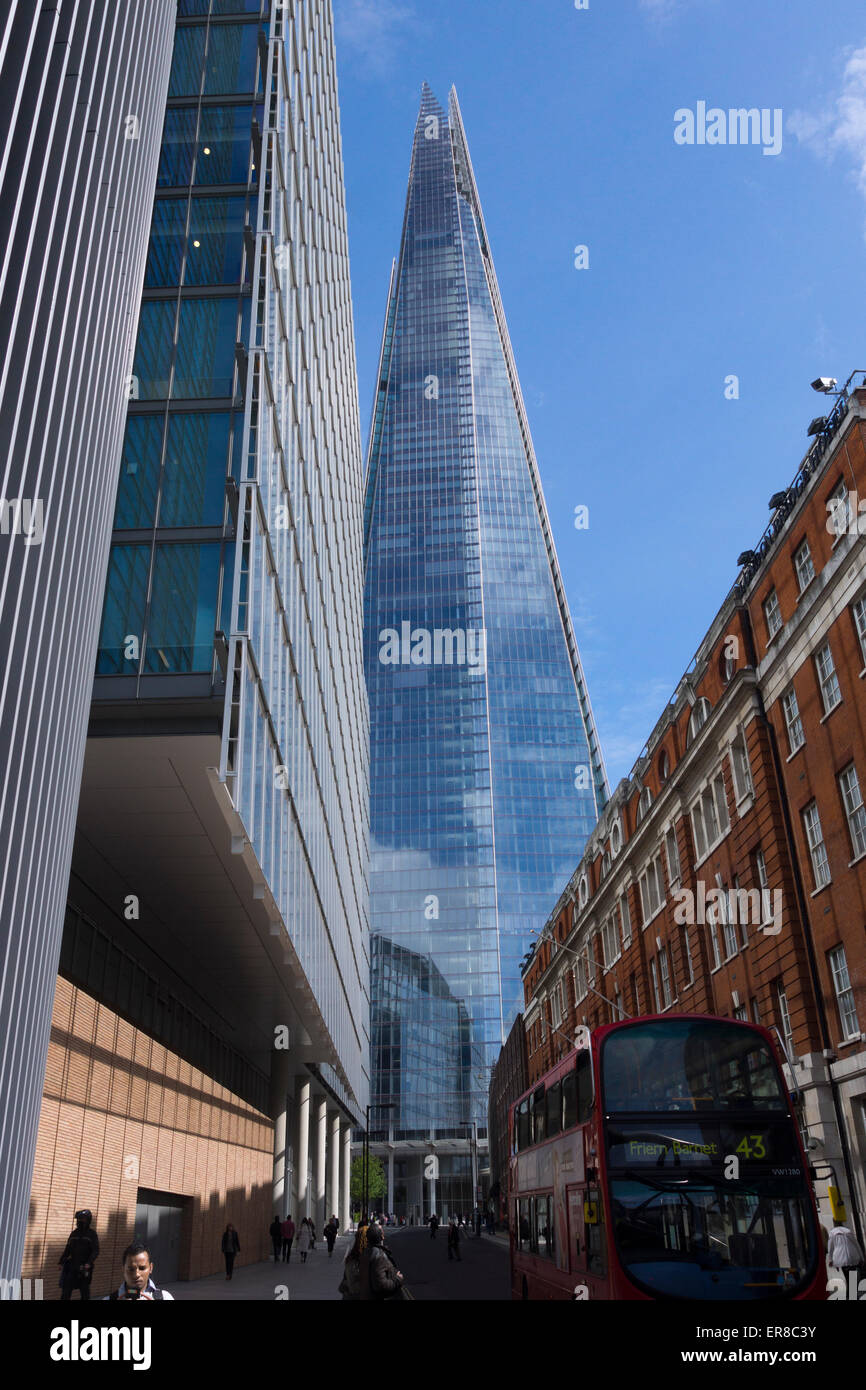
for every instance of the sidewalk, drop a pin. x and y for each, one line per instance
(316, 1280)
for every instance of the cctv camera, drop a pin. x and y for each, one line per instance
(824, 383)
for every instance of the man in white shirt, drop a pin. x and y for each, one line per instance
(137, 1281)
(843, 1252)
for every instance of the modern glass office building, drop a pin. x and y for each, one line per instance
(221, 856)
(486, 773)
(236, 562)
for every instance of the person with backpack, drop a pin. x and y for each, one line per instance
(331, 1230)
(275, 1230)
(379, 1277)
(230, 1247)
(137, 1278)
(79, 1257)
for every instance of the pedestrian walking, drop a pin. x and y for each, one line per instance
(230, 1247)
(350, 1284)
(453, 1240)
(138, 1277)
(79, 1256)
(276, 1234)
(305, 1240)
(478, 1224)
(312, 1226)
(331, 1230)
(379, 1277)
(288, 1229)
(843, 1251)
(433, 1223)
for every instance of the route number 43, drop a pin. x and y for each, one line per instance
(752, 1146)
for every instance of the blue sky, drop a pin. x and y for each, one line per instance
(705, 261)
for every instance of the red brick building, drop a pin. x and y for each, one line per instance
(727, 874)
(508, 1080)
(123, 1117)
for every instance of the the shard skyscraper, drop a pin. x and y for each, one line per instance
(486, 771)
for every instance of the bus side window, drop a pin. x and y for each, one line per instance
(523, 1140)
(526, 1238)
(584, 1088)
(569, 1099)
(523, 1224)
(553, 1110)
(537, 1112)
(544, 1226)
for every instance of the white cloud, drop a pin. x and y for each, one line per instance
(840, 128)
(371, 31)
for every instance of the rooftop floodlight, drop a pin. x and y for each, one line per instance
(824, 383)
(817, 425)
(746, 557)
(778, 499)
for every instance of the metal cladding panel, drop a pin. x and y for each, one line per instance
(295, 735)
(83, 91)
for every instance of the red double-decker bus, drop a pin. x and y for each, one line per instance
(662, 1160)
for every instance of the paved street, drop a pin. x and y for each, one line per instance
(481, 1273)
(317, 1279)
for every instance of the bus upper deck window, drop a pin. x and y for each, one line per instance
(584, 1087)
(522, 1122)
(537, 1114)
(553, 1109)
(569, 1099)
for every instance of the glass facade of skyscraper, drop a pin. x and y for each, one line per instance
(486, 775)
(235, 575)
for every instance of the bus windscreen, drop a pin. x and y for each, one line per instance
(689, 1065)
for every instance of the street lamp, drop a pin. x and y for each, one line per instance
(473, 1151)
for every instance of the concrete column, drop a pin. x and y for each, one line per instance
(390, 1206)
(280, 1113)
(345, 1212)
(303, 1094)
(333, 1202)
(321, 1151)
